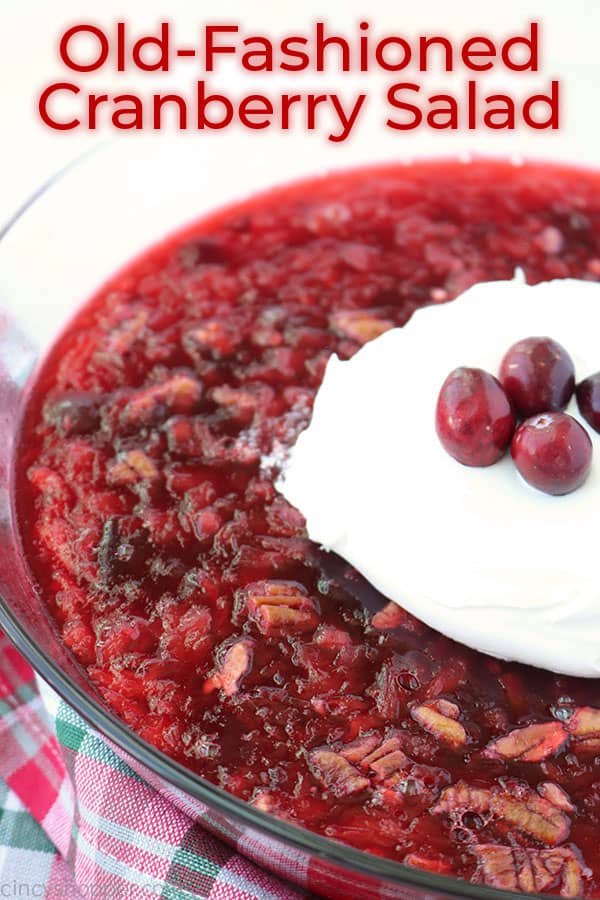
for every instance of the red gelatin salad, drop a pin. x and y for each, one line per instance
(185, 584)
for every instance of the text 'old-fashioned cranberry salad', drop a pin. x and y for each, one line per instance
(330, 540)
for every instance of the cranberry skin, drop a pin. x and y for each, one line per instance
(588, 400)
(474, 419)
(553, 452)
(538, 375)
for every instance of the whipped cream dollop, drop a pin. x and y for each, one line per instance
(476, 553)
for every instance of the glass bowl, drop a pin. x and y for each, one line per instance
(80, 227)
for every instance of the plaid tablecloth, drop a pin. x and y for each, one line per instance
(76, 821)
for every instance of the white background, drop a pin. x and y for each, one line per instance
(31, 29)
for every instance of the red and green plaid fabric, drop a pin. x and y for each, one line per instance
(29, 863)
(76, 821)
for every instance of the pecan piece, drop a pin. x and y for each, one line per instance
(359, 325)
(393, 616)
(357, 749)
(269, 802)
(519, 809)
(135, 465)
(461, 797)
(584, 728)
(573, 875)
(556, 796)
(440, 718)
(534, 743)
(150, 405)
(393, 772)
(390, 765)
(247, 400)
(213, 337)
(265, 801)
(529, 869)
(336, 774)
(390, 744)
(387, 760)
(417, 861)
(532, 815)
(235, 665)
(281, 607)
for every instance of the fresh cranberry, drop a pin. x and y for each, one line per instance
(588, 400)
(553, 452)
(538, 375)
(474, 419)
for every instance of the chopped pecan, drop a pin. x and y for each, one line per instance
(266, 801)
(358, 749)
(445, 708)
(135, 465)
(393, 616)
(394, 773)
(150, 405)
(281, 607)
(417, 861)
(336, 774)
(389, 744)
(534, 743)
(556, 796)
(518, 809)
(332, 637)
(390, 765)
(439, 717)
(245, 400)
(532, 815)
(381, 756)
(359, 325)
(387, 759)
(584, 728)
(236, 663)
(529, 869)
(212, 336)
(573, 875)
(461, 797)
